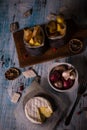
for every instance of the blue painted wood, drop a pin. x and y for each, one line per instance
(12, 11)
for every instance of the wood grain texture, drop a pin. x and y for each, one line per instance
(54, 49)
(28, 60)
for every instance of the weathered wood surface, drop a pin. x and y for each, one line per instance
(12, 11)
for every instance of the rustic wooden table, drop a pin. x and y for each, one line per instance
(13, 11)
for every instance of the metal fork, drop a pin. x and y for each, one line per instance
(81, 89)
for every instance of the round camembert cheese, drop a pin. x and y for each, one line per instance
(37, 109)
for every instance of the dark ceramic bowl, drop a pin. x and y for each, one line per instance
(36, 50)
(52, 32)
(56, 39)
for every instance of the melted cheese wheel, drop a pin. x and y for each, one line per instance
(37, 109)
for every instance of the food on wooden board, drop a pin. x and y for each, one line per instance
(56, 28)
(33, 36)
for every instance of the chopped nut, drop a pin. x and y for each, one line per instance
(15, 97)
(28, 12)
(29, 73)
(27, 34)
(51, 16)
(14, 26)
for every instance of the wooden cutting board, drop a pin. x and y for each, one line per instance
(25, 59)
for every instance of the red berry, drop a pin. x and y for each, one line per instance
(67, 83)
(54, 76)
(21, 87)
(54, 49)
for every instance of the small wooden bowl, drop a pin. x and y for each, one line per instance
(75, 45)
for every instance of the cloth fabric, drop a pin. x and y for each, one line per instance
(33, 90)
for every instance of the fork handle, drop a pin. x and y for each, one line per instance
(69, 117)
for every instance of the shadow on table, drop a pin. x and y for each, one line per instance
(80, 62)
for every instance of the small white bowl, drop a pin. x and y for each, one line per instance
(74, 86)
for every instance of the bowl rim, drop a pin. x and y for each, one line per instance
(75, 82)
